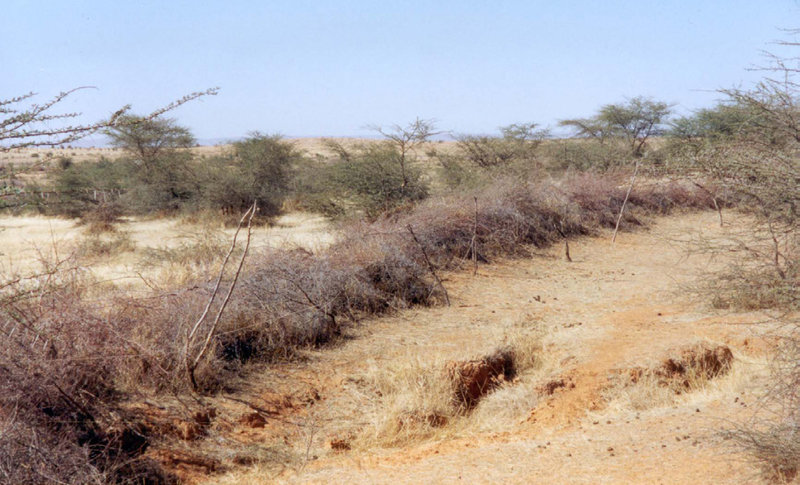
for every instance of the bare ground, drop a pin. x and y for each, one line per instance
(568, 420)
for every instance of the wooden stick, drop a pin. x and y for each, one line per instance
(560, 229)
(430, 265)
(203, 316)
(191, 366)
(622, 209)
(713, 199)
(473, 243)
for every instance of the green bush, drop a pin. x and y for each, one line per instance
(518, 144)
(372, 180)
(82, 187)
(259, 171)
(587, 154)
(312, 188)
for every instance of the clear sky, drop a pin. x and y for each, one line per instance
(328, 68)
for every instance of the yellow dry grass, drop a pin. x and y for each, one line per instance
(134, 247)
(413, 396)
(652, 393)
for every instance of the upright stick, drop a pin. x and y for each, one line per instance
(191, 364)
(430, 265)
(474, 241)
(622, 209)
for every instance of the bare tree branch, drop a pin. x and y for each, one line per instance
(24, 127)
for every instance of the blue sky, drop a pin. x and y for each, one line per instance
(328, 68)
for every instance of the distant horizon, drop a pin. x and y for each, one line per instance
(333, 68)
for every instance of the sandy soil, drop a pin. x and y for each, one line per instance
(613, 307)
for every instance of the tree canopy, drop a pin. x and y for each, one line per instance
(633, 121)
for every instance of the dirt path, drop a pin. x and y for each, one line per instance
(613, 307)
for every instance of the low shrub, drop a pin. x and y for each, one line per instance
(61, 362)
(102, 218)
(104, 244)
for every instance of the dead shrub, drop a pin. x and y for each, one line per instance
(101, 219)
(291, 298)
(600, 197)
(774, 446)
(506, 220)
(59, 398)
(765, 274)
(104, 244)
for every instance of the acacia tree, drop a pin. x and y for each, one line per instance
(160, 172)
(147, 139)
(406, 140)
(24, 125)
(724, 121)
(634, 121)
(588, 128)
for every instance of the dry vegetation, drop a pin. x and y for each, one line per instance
(126, 360)
(125, 346)
(390, 411)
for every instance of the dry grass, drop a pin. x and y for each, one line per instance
(651, 389)
(168, 253)
(103, 246)
(506, 407)
(415, 398)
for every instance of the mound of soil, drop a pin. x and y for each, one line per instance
(698, 362)
(473, 379)
(702, 360)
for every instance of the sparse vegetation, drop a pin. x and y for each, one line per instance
(759, 165)
(287, 299)
(402, 223)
